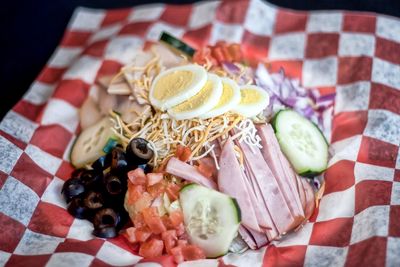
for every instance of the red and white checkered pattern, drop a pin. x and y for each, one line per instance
(357, 55)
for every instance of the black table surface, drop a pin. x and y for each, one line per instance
(32, 29)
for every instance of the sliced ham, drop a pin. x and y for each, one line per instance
(231, 182)
(310, 198)
(301, 193)
(271, 193)
(247, 237)
(281, 169)
(259, 238)
(188, 172)
(263, 215)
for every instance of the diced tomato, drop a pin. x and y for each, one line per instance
(129, 234)
(150, 212)
(153, 220)
(176, 218)
(205, 167)
(153, 178)
(226, 53)
(187, 152)
(180, 231)
(138, 221)
(151, 248)
(167, 222)
(134, 192)
(179, 151)
(143, 202)
(236, 52)
(177, 253)
(172, 191)
(192, 252)
(182, 242)
(169, 237)
(161, 167)
(183, 153)
(165, 261)
(157, 189)
(137, 176)
(217, 54)
(201, 55)
(142, 234)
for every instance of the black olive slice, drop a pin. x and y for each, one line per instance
(118, 161)
(72, 188)
(113, 184)
(106, 232)
(77, 173)
(138, 151)
(106, 217)
(91, 178)
(77, 208)
(93, 200)
(102, 163)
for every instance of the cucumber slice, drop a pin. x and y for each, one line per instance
(177, 44)
(302, 142)
(92, 143)
(211, 218)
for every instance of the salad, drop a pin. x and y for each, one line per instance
(194, 154)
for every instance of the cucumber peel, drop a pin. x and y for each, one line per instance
(302, 142)
(177, 44)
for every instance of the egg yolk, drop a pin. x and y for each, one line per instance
(172, 84)
(249, 96)
(197, 100)
(227, 94)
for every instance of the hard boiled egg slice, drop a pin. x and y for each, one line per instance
(201, 103)
(176, 85)
(253, 100)
(229, 99)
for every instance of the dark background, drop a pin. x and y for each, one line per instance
(31, 29)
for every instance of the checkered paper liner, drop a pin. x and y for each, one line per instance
(355, 54)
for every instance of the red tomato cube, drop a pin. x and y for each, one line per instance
(134, 193)
(176, 252)
(129, 234)
(142, 234)
(153, 178)
(151, 248)
(176, 218)
(169, 237)
(137, 177)
(192, 252)
(153, 220)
